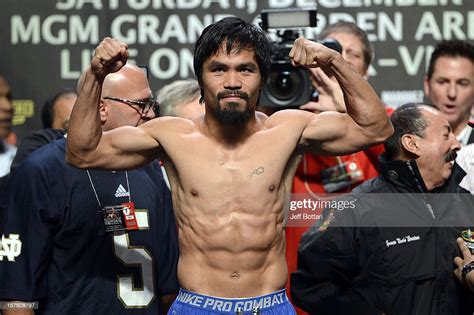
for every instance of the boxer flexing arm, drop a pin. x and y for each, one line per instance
(88, 146)
(366, 122)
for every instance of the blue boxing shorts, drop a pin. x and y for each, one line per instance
(275, 303)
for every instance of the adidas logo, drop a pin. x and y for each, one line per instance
(121, 192)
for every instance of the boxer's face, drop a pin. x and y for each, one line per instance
(231, 82)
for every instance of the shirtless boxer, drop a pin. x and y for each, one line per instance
(230, 169)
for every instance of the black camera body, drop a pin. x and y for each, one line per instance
(288, 86)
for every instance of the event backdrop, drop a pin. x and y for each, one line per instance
(45, 44)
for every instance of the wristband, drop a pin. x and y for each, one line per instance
(466, 269)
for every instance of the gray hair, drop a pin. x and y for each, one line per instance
(177, 93)
(407, 119)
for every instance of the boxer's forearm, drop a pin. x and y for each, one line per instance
(362, 103)
(84, 130)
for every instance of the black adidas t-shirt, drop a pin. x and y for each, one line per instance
(67, 262)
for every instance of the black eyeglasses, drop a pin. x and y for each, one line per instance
(145, 106)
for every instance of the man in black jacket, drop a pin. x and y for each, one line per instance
(395, 249)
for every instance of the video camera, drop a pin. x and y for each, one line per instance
(288, 86)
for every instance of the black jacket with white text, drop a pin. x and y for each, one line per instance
(393, 252)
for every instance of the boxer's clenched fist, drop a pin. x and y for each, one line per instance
(310, 54)
(110, 56)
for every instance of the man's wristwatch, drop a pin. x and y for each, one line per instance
(466, 269)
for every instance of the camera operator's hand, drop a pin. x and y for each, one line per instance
(330, 97)
(460, 262)
(310, 54)
(110, 56)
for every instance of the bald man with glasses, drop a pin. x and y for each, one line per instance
(89, 241)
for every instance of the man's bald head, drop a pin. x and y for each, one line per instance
(123, 79)
(119, 90)
(113, 79)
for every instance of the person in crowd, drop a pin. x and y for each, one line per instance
(180, 98)
(89, 241)
(7, 150)
(55, 119)
(392, 241)
(231, 168)
(57, 110)
(5, 89)
(449, 85)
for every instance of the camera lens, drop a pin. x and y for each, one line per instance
(287, 86)
(284, 85)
